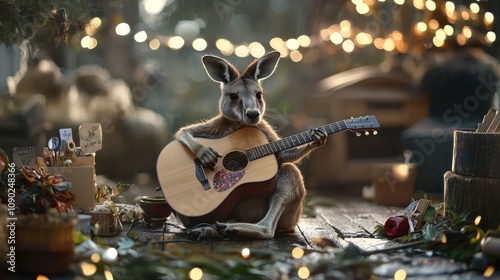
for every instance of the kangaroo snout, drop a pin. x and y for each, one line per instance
(252, 114)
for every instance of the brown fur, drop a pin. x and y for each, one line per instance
(242, 104)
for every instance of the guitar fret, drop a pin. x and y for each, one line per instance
(304, 138)
(263, 151)
(257, 153)
(345, 123)
(276, 147)
(268, 151)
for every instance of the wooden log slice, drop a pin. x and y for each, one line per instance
(476, 154)
(474, 195)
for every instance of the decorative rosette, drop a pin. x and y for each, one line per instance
(42, 191)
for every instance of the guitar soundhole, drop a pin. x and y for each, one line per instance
(235, 161)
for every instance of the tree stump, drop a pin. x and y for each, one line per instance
(476, 154)
(473, 185)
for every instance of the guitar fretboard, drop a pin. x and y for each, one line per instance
(292, 141)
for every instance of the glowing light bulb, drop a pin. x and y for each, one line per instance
(245, 253)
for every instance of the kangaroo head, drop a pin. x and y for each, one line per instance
(242, 96)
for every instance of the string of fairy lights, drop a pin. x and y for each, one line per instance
(463, 24)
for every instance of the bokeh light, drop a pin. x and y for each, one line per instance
(141, 36)
(122, 29)
(175, 42)
(200, 44)
(195, 273)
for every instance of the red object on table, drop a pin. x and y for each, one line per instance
(396, 226)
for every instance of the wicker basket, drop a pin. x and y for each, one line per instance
(44, 247)
(109, 224)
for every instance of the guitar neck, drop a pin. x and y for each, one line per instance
(292, 141)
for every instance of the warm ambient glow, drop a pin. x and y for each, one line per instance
(195, 273)
(400, 274)
(344, 34)
(245, 253)
(364, 38)
(88, 42)
(256, 49)
(200, 44)
(154, 44)
(490, 37)
(276, 43)
(297, 253)
(348, 46)
(122, 29)
(477, 220)
(140, 36)
(489, 271)
(93, 26)
(419, 4)
(474, 7)
(112, 253)
(303, 272)
(304, 41)
(241, 51)
(336, 38)
(95, 258)
(88, 269)
(295, 56)
(175, 42)
(430, 5)
(224, 46)
(292, 44)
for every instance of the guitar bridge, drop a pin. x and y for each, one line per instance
(201, 175)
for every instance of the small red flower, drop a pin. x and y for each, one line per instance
(396, 226)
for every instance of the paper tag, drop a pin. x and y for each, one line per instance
(24, 156)
(90, 137)
(66, 135)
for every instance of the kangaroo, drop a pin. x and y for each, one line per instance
(242, 104)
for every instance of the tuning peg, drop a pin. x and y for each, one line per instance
(367, 132)
(358, 134)
(375, 132)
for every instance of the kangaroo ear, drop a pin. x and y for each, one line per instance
(264, 67)
(219, 69)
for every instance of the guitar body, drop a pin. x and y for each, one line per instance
(198, 194)
(247, 169)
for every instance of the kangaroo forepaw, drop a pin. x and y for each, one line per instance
(207, 156)
(319, 136)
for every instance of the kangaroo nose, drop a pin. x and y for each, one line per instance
(252, 114)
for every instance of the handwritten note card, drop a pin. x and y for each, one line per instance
(90, 137)
(24, 156)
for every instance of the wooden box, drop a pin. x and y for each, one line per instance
(83, 181)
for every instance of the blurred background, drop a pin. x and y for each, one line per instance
(422, 67)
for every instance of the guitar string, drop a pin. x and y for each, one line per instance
(284, 143)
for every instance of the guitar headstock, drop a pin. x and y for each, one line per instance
(366, 124)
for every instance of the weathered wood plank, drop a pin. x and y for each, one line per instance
(354, 221)
(345, 220)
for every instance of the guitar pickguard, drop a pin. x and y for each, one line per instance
(224, 180)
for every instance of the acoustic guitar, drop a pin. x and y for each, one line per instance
(247, 169)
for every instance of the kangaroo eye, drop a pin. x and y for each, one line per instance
(259, 95)
(233, 96)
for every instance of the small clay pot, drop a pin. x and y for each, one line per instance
(156, 208)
